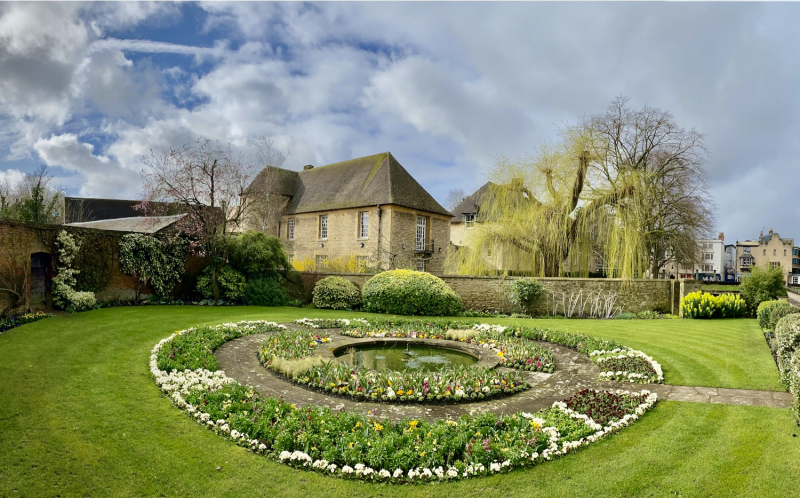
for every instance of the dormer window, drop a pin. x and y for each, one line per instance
(469, 220)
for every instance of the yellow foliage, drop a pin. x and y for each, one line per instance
(344, 264)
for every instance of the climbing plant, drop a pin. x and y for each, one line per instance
(153, 261)
(64, 294)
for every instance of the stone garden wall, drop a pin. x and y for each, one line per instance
(19, 241)
(490, 293)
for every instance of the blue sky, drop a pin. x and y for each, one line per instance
(88, 89)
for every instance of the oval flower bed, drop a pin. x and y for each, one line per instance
(350, 445)
(291, 353)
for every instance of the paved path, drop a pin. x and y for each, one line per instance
(794, 299)
(574, 372)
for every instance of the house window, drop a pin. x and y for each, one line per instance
(775, 252)
(361, 262)
(321, 259)
(323, 226)
(422, 224)
(291, 258)
(363, 225)
(746, 250)
(420, 265)
(469, 220)
(290, 229)
(747, 261)
(775, 264)
(795, 261)
(765, 252)
(708, 268)
(708, 255)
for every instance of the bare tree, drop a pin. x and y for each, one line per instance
(206, 180)
(263, 197)
(646, 147)
(454, 198)
(15, 270)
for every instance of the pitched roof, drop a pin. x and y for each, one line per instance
(138, 224)
(365, 181)
(277, 180)
(471, 203)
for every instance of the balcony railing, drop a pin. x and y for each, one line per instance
(424, 247)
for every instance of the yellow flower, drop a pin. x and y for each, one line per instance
(413, 424)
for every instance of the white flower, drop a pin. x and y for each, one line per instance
(494, 467)
(347, 469)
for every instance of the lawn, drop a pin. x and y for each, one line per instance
(718, 287)
(79, 415)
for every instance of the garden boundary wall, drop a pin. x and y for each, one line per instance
(24, 243)
(491, 293)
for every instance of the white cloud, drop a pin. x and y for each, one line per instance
(11, 176)
(104, 177)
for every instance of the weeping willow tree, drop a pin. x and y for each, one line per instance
(548, 214)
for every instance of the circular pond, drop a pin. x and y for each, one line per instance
(391, 355)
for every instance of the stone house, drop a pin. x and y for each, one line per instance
(369, 208)
(770, 249)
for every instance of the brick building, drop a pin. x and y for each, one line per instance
(368, 208)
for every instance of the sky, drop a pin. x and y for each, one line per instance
(88, 89)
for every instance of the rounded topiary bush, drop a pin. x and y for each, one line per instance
(265, 292)
(407, 292)
(787, 337)
(769, 312)
(336, 293)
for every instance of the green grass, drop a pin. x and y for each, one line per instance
(729, 353)
(80, 415)
(713, 287)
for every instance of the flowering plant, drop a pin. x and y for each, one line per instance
(627, 365)
(12, 321)
(349, 445)
(451, 384)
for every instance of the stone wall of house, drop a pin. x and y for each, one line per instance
(390, 245)
(19, 241)
(402, 251)
(491, 293)
(342, 240)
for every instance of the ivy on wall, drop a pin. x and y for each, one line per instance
(154, 261)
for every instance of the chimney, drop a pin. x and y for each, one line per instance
(762, 233)
(308, 167)
(721, 236)
(770, 231)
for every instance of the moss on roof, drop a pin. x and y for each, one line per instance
(365, 181)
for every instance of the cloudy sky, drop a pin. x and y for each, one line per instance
(88, 89)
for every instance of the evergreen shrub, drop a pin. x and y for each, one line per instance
(407, 292)
(525, 293)
(769, 312)
(336, 293)
(265, 292)
(231, 283)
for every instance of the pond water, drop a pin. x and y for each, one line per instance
(397, 356)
